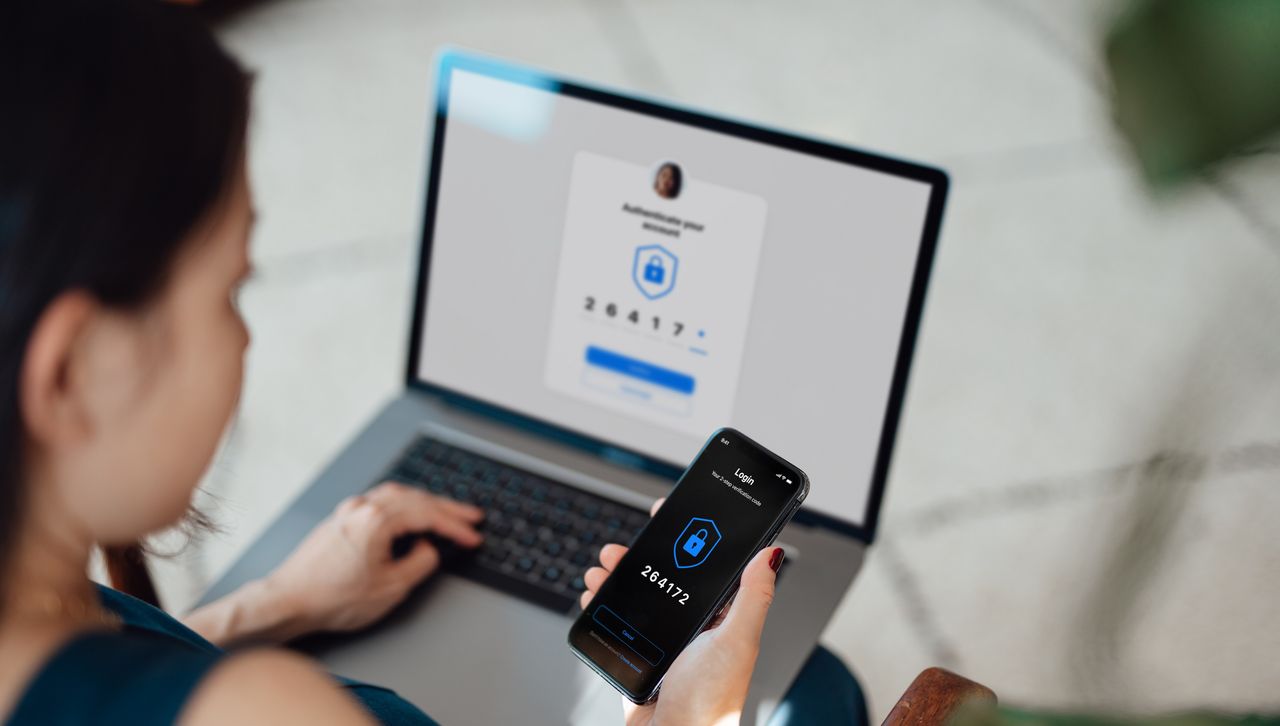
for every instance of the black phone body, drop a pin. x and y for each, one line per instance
(731, 502)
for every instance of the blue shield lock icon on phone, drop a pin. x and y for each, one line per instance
(695, 543)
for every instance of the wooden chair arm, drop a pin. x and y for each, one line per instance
(933, 697)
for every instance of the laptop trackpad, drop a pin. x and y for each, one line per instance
(464, 653)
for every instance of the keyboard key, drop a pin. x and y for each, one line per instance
(541, 535)
(495, 556)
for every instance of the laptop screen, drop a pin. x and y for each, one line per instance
(641, 276)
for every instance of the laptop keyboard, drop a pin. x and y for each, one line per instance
(540, 535)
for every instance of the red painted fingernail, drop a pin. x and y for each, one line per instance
(775, 559)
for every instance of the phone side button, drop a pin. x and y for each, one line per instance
(623, 631)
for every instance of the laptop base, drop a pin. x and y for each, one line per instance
(466, 653)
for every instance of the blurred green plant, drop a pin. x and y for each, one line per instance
(990, 715)
(1195, 84)
(1195, 81)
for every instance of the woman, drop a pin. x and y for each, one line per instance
(668, 180)
(125, 214)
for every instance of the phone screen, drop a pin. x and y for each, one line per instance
(729, 503)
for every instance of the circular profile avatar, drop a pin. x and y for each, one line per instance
(668, 180)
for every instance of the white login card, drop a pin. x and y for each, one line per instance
(657, 269)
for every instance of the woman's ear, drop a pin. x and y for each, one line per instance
(51, 398)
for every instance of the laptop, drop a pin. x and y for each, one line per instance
(605, 280)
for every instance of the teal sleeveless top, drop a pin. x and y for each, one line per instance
(145, 672)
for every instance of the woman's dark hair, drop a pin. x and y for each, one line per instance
(122, 125)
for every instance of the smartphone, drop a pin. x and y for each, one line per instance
(731, 502)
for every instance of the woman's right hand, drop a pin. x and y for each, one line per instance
(728, 649)
(343, 576)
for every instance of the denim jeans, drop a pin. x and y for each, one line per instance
(825, 692)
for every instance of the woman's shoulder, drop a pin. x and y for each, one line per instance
(139, 615)
(115, 676)
(141, 677)
(270, 686)
(252, 679)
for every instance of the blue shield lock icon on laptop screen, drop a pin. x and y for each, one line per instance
(695, 543)
(653, 270)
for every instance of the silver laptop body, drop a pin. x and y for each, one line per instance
(469, 653)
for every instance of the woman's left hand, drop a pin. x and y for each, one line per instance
(727, 650)
(343, 575)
